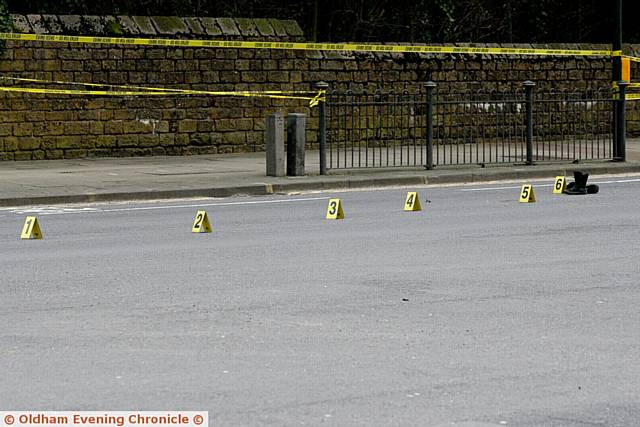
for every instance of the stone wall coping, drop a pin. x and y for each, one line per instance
(160, 26)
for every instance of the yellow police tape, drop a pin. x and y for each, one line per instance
(79, 92)
(343, 47)
(128, 90)
(147, 88)
(631, 58)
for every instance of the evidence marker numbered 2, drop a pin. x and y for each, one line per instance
(201, 223)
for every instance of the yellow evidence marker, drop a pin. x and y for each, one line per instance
(201, 223)
(31, 229)
(527, 195)
(559, 185)
(334, 210)
(412, 202)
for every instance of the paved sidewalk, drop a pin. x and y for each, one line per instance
(146, 178)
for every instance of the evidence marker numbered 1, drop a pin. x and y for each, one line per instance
(559, 185)
(334, 209)
(31, 229)
(412, 202)
(527, 195)
(201, 223)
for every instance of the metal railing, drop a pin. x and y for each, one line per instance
(434, 128)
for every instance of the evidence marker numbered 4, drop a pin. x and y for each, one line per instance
(412, 202)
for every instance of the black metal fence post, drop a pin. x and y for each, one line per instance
(620, 148)
(430, 86)
(322, 126)
(528, 87)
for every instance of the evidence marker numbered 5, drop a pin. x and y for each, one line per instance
(527, 194)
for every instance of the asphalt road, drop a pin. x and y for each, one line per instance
(477, 311)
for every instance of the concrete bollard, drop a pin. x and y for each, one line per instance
(296, 125)
(274, 143)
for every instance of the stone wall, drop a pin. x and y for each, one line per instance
(34, 126)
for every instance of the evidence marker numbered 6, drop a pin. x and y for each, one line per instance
(559, 185)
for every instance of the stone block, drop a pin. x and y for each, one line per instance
(48, 128)
(114, 127)
(65, 142)
(96, 128)
(234, 138)
(278, 76)
(228, 26)
(169, 25)
(148, 141)
(37, 24)
(166, 139)
(21, 24)
(92, 24)
(71, 24)
(194, 25)
(10, 143)
(292, 28)
(75, 154)
(200, 138)
(6, 129)
(264, 27)
(54, 154)
(137, 126)
(37, 155)
(278, 28)
(247, 27)
(23, 129)
(187, 126)
(225, 125)
(22, 155)
(211, 26)
(23, 54)
(77, 128)
(105, 141)
(145, 25)
(28, 143)
(127, 141)
(128, 25)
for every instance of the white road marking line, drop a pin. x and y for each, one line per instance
(63, 211)
(619, 181)
(51, 210)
